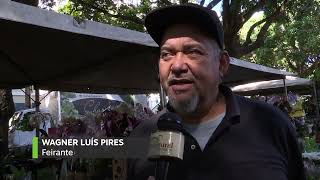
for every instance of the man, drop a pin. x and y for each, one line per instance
(227, 137)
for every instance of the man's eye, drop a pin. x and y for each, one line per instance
(194, 52)
(165, 55)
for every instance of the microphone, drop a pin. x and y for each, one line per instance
(166, 144)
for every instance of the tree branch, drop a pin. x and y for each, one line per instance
(247, 15)
(308, 71)
(133, 19)
(248, 46)
(291, 65)
(249, 33)
(213, 3)
(202, 2)
(260, 37)
(165, 2)
(183, 1)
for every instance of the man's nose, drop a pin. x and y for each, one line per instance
(179, 65)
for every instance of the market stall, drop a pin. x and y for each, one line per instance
(297, 85)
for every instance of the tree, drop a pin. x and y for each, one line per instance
(294, 44)
(234, 15)
(6, 111)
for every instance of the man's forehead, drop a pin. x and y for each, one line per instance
(184, 30)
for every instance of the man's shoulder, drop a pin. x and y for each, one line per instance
(245, 103)
(263, 112)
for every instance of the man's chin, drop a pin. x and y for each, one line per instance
(184, 105)
(181, 97)
(180, 100)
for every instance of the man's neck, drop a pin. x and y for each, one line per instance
(217, 108)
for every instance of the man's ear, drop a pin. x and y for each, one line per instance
(224, 63)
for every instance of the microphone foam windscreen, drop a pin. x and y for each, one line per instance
(169, 121)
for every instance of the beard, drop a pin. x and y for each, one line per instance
(185, 106)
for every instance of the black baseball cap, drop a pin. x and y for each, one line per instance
(158, 20)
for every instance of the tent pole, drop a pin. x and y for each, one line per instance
(162, 98)
(285, 88)
(37, 98)
(37, 103)
(316, 99)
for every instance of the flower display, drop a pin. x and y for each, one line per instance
(116, 121)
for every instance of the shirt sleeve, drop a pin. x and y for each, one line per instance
(296, 169)
(285, 137)
(130, 169)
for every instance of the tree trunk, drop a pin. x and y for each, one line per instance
(6, 111)
(232, 46)
(231, 38)
(27, 97)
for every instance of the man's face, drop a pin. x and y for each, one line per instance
(188, 68)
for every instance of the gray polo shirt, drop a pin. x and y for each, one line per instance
(203, 131)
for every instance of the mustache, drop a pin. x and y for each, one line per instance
(180, 80)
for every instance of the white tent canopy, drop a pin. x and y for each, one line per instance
(242, 72)
(273, 86)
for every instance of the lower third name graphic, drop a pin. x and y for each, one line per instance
(83, 142)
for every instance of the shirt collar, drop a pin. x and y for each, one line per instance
(232, 105)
